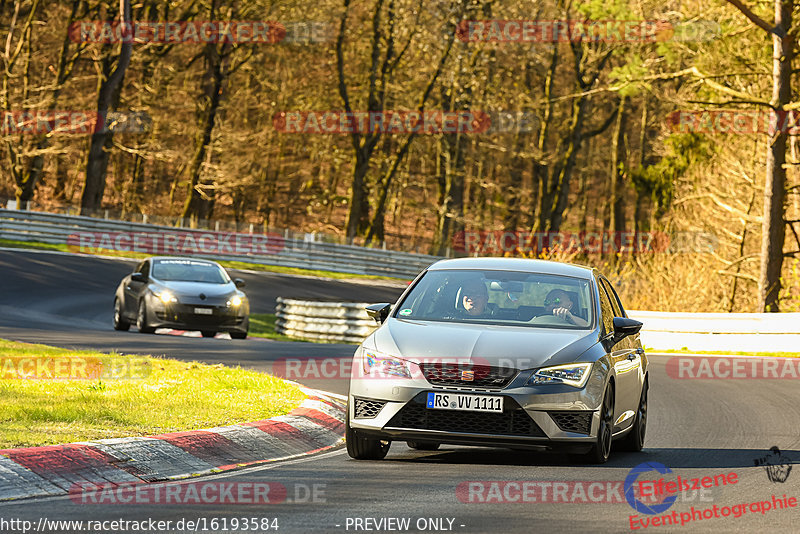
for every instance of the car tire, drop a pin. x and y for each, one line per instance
(141, 319)
(238, 335)
(208, 333)
(601, 448)
(364, 448)
(423, 445)
(119, 321)
(634, 441)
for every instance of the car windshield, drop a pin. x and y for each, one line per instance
(189, 271)
(500, 297)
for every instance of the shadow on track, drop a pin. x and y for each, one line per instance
(674, 458)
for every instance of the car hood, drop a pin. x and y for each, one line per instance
(195, 288)
(520, 347)
(189, 292)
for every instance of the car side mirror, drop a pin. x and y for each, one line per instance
(238, 282)
(624, 327)
(138, 277)
(379, 312)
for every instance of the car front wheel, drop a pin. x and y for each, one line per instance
(634, 441)
(141, 320)
(601, 448)
(119, 321)
(364, 448)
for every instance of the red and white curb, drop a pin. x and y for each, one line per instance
(315, 426)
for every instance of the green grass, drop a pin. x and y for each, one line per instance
(32, 245)
(263, 325)
(229, 264)
(174, 396)
(685, 350)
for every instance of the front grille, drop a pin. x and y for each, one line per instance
(514, 421)
(210, 320)
(482, 376)
(368, 409)
(578, 422)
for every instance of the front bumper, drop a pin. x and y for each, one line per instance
(183, 316)
(537, 417)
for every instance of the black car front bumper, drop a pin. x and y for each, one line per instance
(185, 317)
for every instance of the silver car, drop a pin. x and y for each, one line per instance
(506, 352)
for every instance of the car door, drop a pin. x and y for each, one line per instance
(133, 289)
(627, 364)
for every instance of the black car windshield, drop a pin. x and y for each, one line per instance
(189, 271)
(500, 297)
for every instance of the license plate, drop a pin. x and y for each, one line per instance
(470, 403)
(204, 311)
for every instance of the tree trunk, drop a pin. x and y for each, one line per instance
(359, 204)
(97, 161)
(617, 171)
(565, 176)
(198, 204)
(774, 229)
(639, 222)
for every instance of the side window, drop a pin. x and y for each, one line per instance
(145, 268)
(612, 295)
(606, 309)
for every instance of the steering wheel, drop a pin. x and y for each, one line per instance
(549, 318)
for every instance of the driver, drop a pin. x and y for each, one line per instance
(474, 298)
(559, 304)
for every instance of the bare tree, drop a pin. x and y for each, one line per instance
(774, 226)
(109, 83)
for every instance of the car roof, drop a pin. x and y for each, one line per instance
(515, 264)
(181, 258)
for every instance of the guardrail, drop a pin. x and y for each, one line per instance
(56, 229)
(746, 332)
(735, 332)
(346, 322)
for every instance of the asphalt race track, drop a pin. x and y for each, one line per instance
(697, 428)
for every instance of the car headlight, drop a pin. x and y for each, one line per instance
(378, 364)
(164, 296)
(572, 374)
(235, 301)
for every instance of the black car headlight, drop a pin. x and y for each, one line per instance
(572, 374)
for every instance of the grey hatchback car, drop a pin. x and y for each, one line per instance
(184, 293)
(501, 352)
